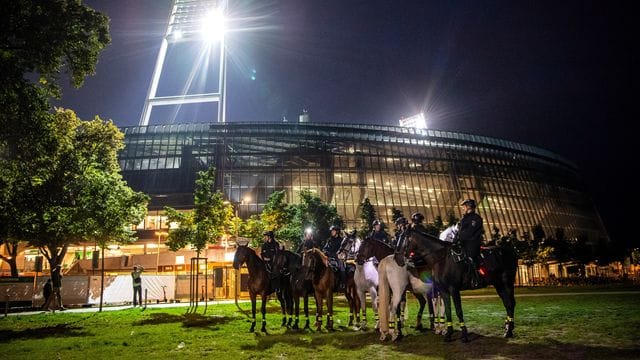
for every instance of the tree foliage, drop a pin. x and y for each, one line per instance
(45, 37)
(367, 216)
(80, 194)
(206, 223)
(310, 212)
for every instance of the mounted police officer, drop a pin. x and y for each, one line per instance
(331, 248)
(378, 234)
(308, 242)
(399, 241)
(470, 235)
(416, 222)
(269, 249)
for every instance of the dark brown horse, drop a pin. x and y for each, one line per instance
(451, 276)
(260, 284)
(347, 253)
(287, 262)
(317, 270)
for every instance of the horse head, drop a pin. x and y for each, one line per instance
(313, 262)
(449, 234)
(424, 246)
(241, 256)
(348, 247)
(371, 247)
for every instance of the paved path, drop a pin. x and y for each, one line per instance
(211, 303)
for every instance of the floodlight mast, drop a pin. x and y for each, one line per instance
(191, 20)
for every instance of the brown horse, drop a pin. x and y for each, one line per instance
(317, 270)
(260, 284)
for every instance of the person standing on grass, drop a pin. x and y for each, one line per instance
(47, 289)
(137, 284)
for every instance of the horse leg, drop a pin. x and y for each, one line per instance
(318, 311)
(253, 312)
(349, 298)
(422, 301)
(263, 310)
(363, 308)
(447, 313)
(457, 302)
(432, 313)
(330, 309)
(306, 311)
(283, 306)
(393, 318)
(506, 294)
(374, 304)
(296, 310)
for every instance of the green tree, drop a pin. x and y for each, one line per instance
(111, 208)
(63, 199)
(274, 215)
(367, 215)
(396, 214)
(38, 40)
(45, 37)
(206, 223)
(310, 212)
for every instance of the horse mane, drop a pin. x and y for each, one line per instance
(320, 254)
(253, 253)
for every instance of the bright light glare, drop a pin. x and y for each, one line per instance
(213, 26)
(308, 230)
(177, 35)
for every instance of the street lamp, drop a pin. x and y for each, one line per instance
(160, 234)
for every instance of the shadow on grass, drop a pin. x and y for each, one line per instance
(187, 320)
(61, 330)
(429, 344)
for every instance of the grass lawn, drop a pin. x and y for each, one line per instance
(580, 326)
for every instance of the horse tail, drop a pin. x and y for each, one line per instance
(383, 297)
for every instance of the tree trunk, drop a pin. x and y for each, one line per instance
(12, 251)
(102, 279)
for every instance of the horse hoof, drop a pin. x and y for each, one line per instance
(383, 336)
(508, 334)
(295, 326)
(464, 336)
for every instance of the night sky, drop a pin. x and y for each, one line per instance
(554, 74)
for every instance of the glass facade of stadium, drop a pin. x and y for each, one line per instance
(516, 186)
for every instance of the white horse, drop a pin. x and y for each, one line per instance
(366, 279)
(395, 278)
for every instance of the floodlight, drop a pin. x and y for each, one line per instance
(213, 26)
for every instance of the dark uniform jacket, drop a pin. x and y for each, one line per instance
(332, 246)
(269, 249)
(470, 234)
(380, 236)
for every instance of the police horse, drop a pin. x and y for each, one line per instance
(289, 263)
(260, 284)
(317, 269)
(365, 278)
(396, 278)
(499, 266)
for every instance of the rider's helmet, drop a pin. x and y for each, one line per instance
(469, 202)
(376, 222)
(334, 227)
(268, 233)
(417, 218)
(401, 221)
